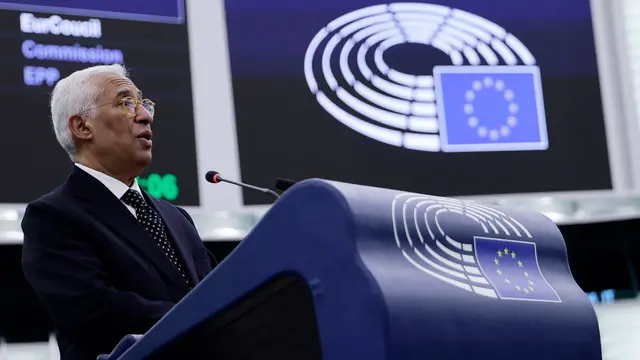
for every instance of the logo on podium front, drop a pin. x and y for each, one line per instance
(500, 262)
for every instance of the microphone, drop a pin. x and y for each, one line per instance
(215, 178)
(284, 184)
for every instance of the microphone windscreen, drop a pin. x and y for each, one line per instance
(212, 176)
(284, 184)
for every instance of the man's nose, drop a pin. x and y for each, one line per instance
(143, 115)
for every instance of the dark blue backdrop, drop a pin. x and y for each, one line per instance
(283, 131)
(277, 32)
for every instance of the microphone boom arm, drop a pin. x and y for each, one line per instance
(215, 178)
(262, 190)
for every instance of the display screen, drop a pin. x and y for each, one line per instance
(43, 41)
(449, 98)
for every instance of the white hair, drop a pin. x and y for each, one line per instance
(75, 94)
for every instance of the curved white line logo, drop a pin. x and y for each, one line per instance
(501, 261)
(345, 68)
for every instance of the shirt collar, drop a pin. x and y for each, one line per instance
(117, 187)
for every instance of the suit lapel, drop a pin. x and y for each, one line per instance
(99, 201)
(168, 213)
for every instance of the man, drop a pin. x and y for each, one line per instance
(105, 258)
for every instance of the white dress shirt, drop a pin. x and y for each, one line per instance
(117, 187)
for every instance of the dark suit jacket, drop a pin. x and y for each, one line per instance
(97, 271)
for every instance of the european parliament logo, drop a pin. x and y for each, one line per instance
(484, 108)
(499, 260)
(489, 98)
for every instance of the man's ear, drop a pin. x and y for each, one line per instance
(80, 127)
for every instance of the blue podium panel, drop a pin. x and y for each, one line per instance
(398, 275)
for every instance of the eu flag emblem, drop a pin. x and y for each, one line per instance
(512, 268)
(490, 108)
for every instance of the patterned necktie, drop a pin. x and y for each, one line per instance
(154, 226)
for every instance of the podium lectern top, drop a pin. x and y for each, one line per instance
(395, 275)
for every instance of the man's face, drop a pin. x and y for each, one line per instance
(121, 139)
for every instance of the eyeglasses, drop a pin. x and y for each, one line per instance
(130, 105)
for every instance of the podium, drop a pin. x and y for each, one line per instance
(338, 271)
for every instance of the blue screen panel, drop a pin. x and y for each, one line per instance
(163, 11)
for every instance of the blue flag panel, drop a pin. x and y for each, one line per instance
(490, 108)
(513, 270)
